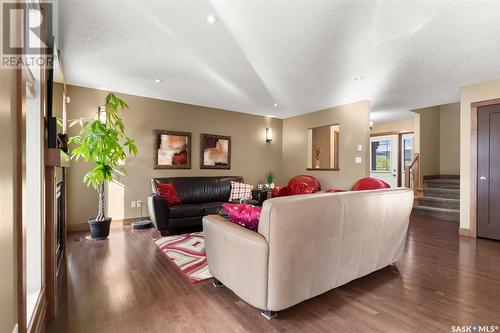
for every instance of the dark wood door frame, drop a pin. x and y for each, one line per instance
(472, 231)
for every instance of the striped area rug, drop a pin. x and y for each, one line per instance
(187, 252)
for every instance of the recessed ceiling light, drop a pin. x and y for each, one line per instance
(269, 116)
(357, 78)
(211, 19)
(158, 80)
(276, 105)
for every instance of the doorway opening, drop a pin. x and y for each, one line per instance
(389, 155)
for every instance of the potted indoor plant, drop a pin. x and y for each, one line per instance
(105, 143)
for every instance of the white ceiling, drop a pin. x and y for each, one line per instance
(303, 55)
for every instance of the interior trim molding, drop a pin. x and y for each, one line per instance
(473, 163)
(464, 232)
(39, 317)
(390, 133)
(115, 223)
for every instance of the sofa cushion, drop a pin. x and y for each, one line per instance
(243, 214)
(169, 192)
(240, 191)
(212, 207)
(186, 210)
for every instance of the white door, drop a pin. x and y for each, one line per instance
(384, 159)
(406, 155)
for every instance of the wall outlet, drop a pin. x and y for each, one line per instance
(139, 203)
(360, 147)
(132, 204)
(358, 160)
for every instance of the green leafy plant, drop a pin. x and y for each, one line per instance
(105, 144)
(269, 177)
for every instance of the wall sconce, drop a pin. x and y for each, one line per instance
(371, 125)
(269, 134)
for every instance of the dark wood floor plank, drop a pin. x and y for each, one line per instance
(125, 284)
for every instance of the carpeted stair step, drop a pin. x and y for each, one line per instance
(439, 202)
(439, 213)
(442, 193)
(442, 183)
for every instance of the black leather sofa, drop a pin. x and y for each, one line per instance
(200, 196)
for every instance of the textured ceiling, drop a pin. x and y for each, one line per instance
(303, 55)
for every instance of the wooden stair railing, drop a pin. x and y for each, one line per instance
(412, 174)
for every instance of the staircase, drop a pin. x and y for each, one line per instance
(441, 199)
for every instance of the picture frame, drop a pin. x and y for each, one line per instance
(215, 151)
(171, 150)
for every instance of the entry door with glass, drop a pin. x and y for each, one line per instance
(406, 155)
(384, 158)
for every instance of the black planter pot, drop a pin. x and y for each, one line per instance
(99, 229)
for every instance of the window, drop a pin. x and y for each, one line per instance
(381, 155)
(408, 150)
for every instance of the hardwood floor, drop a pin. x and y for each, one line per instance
(126, 285)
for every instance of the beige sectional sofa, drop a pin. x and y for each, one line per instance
(307, 245)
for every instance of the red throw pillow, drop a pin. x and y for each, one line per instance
(169, 192)
(369, 183)
(245, 215)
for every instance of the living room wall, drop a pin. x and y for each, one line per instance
(469, 94)
(354, 121)
(252, 156)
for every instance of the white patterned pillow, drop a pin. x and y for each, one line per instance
(240, 191)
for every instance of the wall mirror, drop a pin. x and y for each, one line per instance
(323, 148)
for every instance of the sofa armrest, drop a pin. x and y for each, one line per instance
(259, 195)
(238, 257)
(158, 211)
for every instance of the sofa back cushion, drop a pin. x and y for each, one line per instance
(200, 189)
(321, 241)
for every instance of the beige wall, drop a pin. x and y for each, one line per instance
(429, 140)
(469, 94)
(437, 137)
(449, 142)
(8, 280)
(252, 156)
(354, 129)
(404, 125)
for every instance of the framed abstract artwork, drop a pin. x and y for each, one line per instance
(215, 152)
(171, 150)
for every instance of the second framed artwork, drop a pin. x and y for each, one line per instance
(215, 151)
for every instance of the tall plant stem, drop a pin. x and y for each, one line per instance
(100, 214)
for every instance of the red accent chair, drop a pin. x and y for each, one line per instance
(369, 183)
(302, 184)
